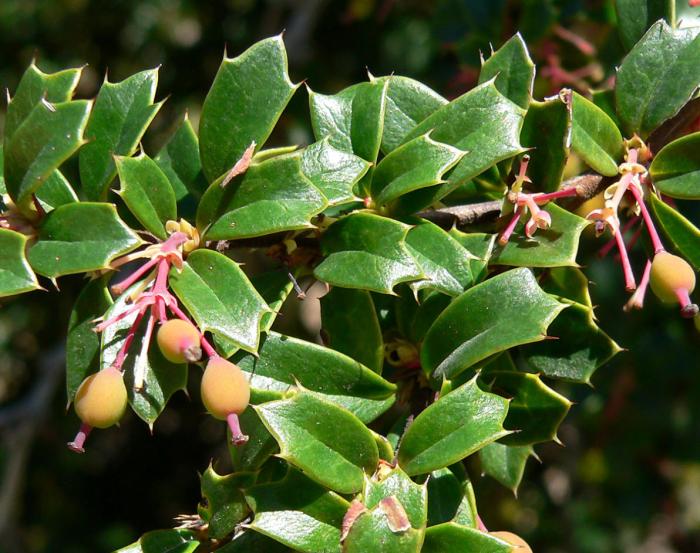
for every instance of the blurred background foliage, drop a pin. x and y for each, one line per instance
(627, 477)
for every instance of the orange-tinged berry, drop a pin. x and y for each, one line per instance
(669, 275)
(178, 341)
(101, 398)
(225, 389)
(520, 546)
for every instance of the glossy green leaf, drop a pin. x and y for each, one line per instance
(334, 172)
(353, 119)
(432, 304)
(328, 443)
(248, 540)
(605, 100)
(83, 343)
(298, 512)
(481, 246)
(594, 136)
(243, 105)
(34, 86)
(675, 170)
(683, 234)
(16, 276)
(147, 192)
(80, 237)
(161, 377)
(373, 531)
(366, 251)
(122, 113)
(547, 130)
(634, 17)
(164, 541)
(49, 135)
(555, 247)
(535, 411)
(455, 426)
(454, 538)
(283, 361)
(505, 463)
(55, 191)
(271, 196)
(482, 122)
(408, 102)
(657, 77)
(179, 160)
(396, 483)
(224, 505)
(274, 287)
(451, 497)
(579, 349)
(568, 283)
(220, 297)
(350, 325)
(512, 69)
(445, 263)
(473, 328)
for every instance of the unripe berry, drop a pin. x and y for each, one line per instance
(101, 398)
(178, 341)
(225, 389)
(520, 545)
(669, 275)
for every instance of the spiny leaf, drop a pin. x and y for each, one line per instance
(505, 463)
(512, 69)
(16, 276)
(454, 538)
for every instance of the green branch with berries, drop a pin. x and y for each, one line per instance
(446, 234)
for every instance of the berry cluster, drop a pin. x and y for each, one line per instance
(101, 398)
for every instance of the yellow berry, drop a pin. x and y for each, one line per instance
(520, 545)
(668, 274)
(101, 398)
(178, 341)
(225, 388)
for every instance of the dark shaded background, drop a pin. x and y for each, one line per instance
(628, 478)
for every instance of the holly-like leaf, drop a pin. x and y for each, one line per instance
(122, 113)
(164, 541)
(547, 130)
(634, 17)
(445, 263)
(350, 326)
(224, 504)
(271, 196)
(328, 443)
(419, 163)
(451, 497)
(243, 105)
(179, 160)
(367, 251)
(594, 136)
(80, 237)
(248, 540)
(675, 170)
(482, 122)
(396, 483)
(473, 327)
(47, 136)
(299, 513)
(457, 425)
(505, 463)
(377, 530)
(147, 192)
(55, 191)
(535, 411)
(568, 283)
(454, 538)
(220, 297)
(512, 69)
(161, 377)
(555, 247)
(408, 102)
(579, 349)
(83, 343)
(657, 77)
(274, 287)
(283, 361)
(34, 86)
(16, 276)
(481, 246)
(353, 119)
(253, 454)
(334, 172)
(683, 234)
